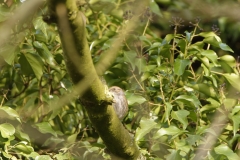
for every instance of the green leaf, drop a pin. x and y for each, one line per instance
(133, 98)
(41, 25)
(130, 56)
(174, 154)
(7, 112)
(211, 55)
(171, 130)
(223, 149)
(105, 6)
(31, 64)
(155, 9)
(146, 125)
(181, 116)
(180, 66)
(206, 89)
(144, 39)
(7, 130)
(189, 100)
(236, 122)
(72, 138)
(210, 34)
(45, 127)
(22, 148)
(225, 47)
(8, 53)
(233, 79)
(43, 157)
(22, 136)
(213, 104)
(168, 111)
(211, 40)
(140, 64)
(230, 60)
(45, 54)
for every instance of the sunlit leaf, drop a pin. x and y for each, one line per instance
(7, 130)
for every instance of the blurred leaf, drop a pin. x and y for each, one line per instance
(8, 53)
(236, 122)
(133, 98)
(223, 149)
(7, 130)
(155, 9)
(230, 60)
(233, 79)
(105, 6)
(174, 154)
(146, 125)
(206, 89)
(43, 157)
(23, 148)
(171, 130)
(22, 136)
(140, 64)
(7, 112)
(130, 56)
(181, 116)
(45, 127)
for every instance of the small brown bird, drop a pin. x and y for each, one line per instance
(120, 103)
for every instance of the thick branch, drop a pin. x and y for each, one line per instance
(80, 66)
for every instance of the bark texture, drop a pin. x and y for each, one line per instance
(71, 25)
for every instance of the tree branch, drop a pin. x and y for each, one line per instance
(80, 66)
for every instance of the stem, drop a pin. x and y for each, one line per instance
(146, 26)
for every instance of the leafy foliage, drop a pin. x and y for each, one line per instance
(172, 103)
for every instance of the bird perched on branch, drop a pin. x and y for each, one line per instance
(120, 103)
